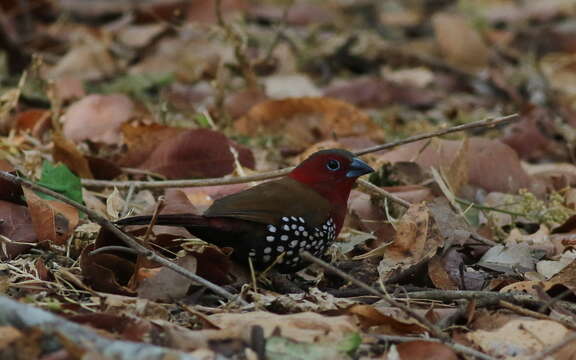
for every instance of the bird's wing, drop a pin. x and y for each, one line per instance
(268, 202)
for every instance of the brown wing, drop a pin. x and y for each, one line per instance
(268, 202)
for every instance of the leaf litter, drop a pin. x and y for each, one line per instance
(219, 89)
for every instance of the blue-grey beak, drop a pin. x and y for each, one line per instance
(358, 168)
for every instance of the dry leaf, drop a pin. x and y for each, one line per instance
(53, 220)
(98, 118)
(305, 121)
(65, 151)
(461, 44)
(519, 339)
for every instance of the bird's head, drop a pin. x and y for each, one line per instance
(331, 172)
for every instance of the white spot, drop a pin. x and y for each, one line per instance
(293, 243)
(294, 227)
(290, 253)
(272, 228)
(296, 258)
(302, 243)
(270, 238)
(280, 248)
(301, 220)
(305, 233)
(294, 218)
(301, 228)
(314, 243)
(285, 219)
(296, 232)
(324, 227)
(267, 250)
(286, 227)
(266, 258)
(284, 237)
(252, 253)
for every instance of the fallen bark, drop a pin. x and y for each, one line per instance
(25, 317)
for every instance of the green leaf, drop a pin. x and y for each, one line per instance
(61, 180)
(202, 120)
(279, 348)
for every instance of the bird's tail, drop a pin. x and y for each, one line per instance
(165, 219)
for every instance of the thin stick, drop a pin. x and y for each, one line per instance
(434, 330)
(527, 312)
(159, 207)
(375, 190)
(105, 223)
(488, 296)
(187, 183)
(277, 173)
(487, 123)
(455, 346)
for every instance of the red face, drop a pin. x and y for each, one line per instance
(331, 172)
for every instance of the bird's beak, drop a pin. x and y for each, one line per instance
(358, 168)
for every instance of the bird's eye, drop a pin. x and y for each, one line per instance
(333, 165)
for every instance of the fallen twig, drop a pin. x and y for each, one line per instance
(527, 312)
(488, 296)
(105, 223)
(375, 190)
(434, 330)
(277, 173)
(27, 317)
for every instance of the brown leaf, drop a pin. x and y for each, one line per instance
(214, 264)
(425, 350)
(68, 88)
(65, 151)
(413, 243)
(142, 140)
(239, 103)
(305, 121)
(460, 43)
(16, 225)
(8, 190)
(166, 284)
(34, 120)
(98, 118)
(106, 272)
(378, 93)
(519, 338)
(53, 220)
(439, 276)
(307, 327)
(532, 137)
(204, 11)
(387, 320)
(411, 234)
(103, 169)
(90, 59)
(197, 153)
(504, 175)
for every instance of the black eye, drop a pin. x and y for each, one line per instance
(333, 165)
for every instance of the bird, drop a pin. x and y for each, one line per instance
(303, 211)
